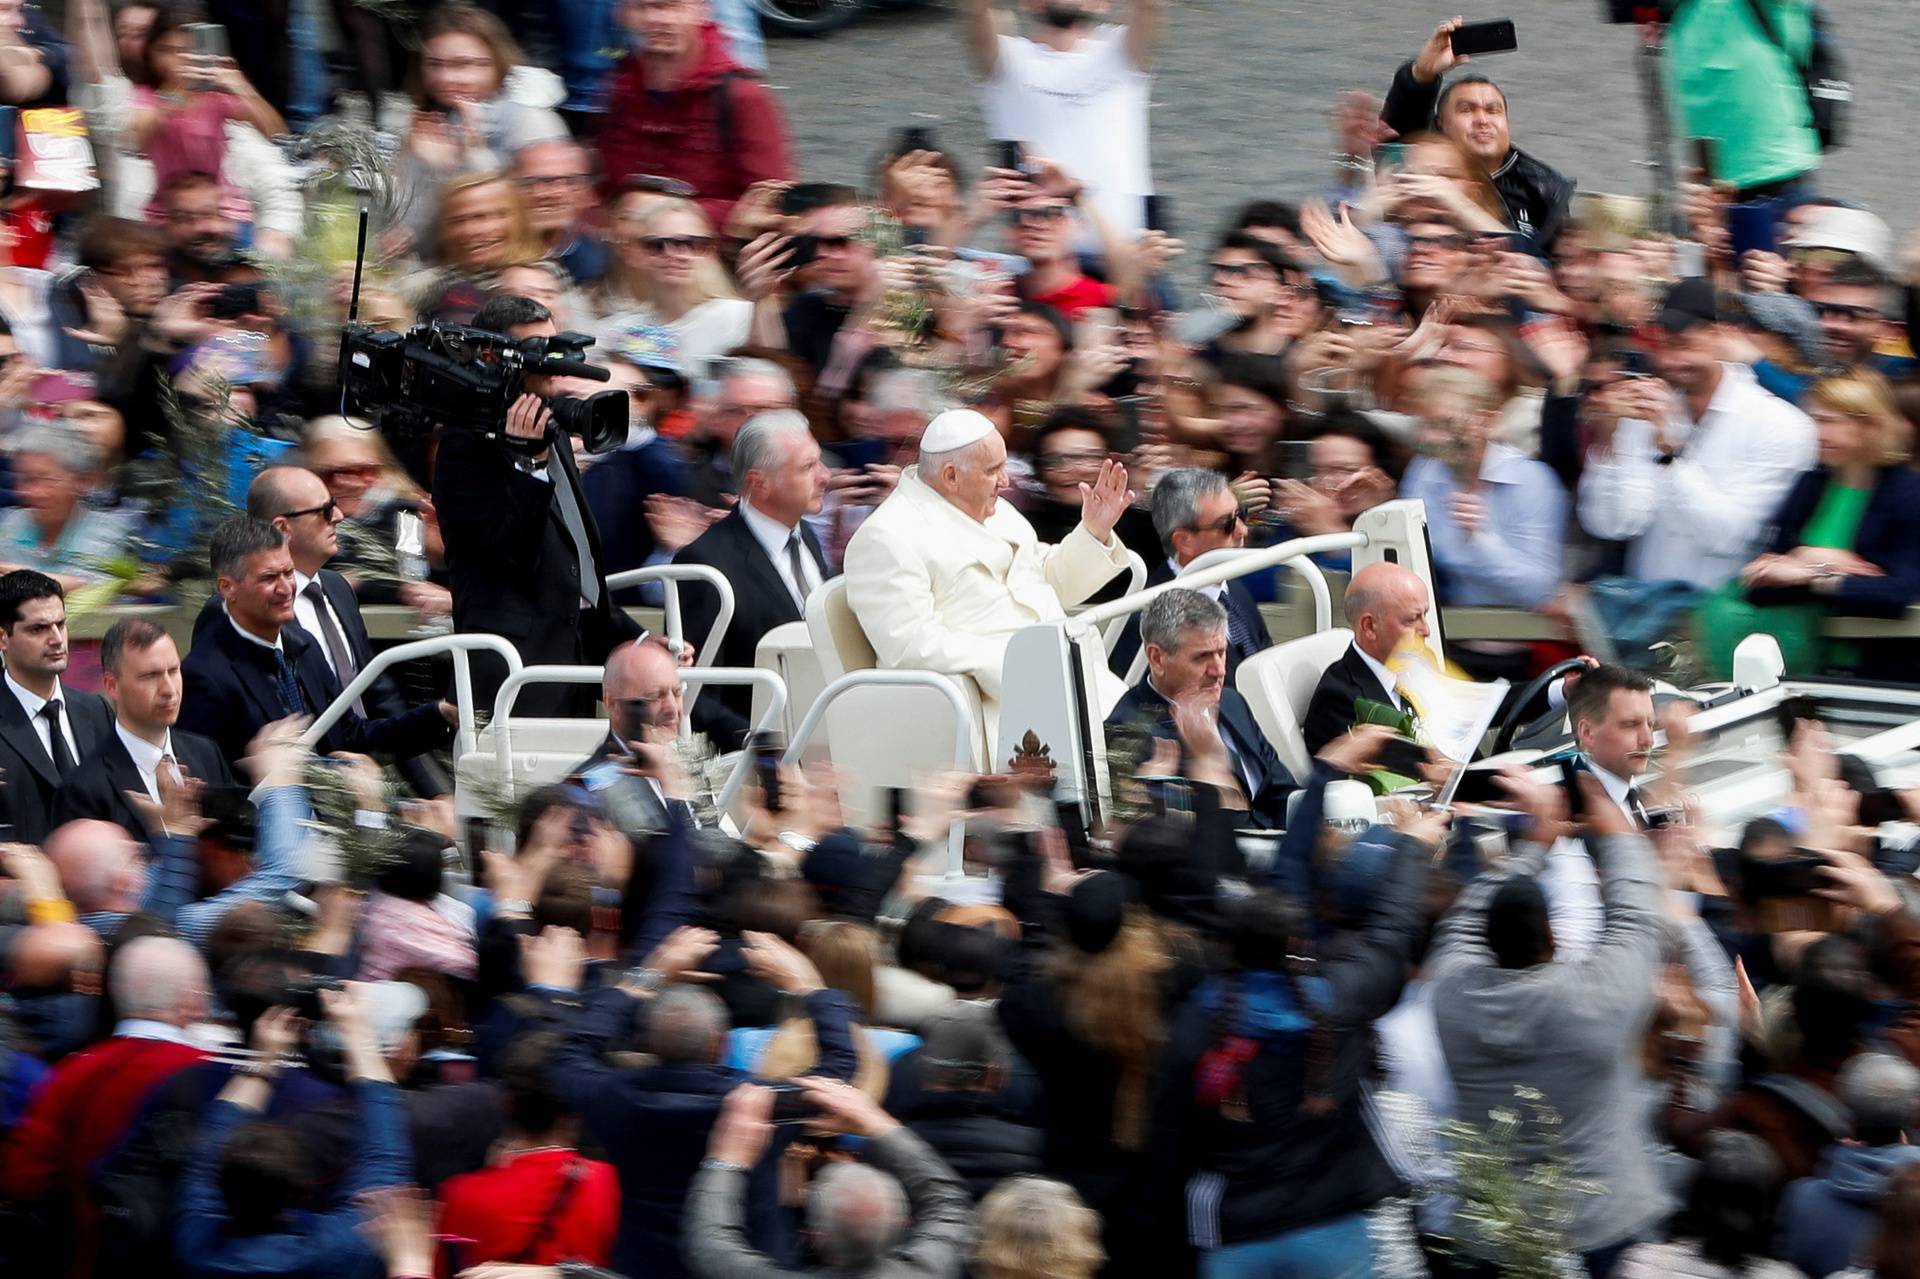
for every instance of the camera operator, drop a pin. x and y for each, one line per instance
(522, 548)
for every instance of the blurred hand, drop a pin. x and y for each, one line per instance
(1469, 512)
(780, 965)
(1152, 250)
(275, 756)
(1310, 511)
(744, 1128)
(1336, 238)
(1428, 825)
(847, 1109)
(1357, 126)
(276, 1033)
(38, 879)
(528, 419)
(1763, 272)
(677, 521)
(1356, 750)
(555, 958)
(757, 212)
(427, 598)
(680, 954)
(1857, 883)
(347, 1010)
(178, 810)
(1545, 807)
(399, 1225)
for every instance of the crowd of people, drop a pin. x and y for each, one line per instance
(269, 1009)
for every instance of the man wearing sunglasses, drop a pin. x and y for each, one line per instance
(1043, 233)
(1195, 511)
(296, 502)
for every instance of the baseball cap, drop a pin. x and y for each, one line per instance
(654, 347)
(1689, 304)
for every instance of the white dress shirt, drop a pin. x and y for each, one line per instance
(1700, 517)
(31, 702)
(1571, 881)
(773, 537)
(1217, 592)
(249, 635)
(147, 757)
(309, 619)
(1388, 680)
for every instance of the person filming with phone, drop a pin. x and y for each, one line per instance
(1472, 111)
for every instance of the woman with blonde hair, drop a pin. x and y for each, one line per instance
(1037, 1228)
(1846, 540)
(483, 230)
(665, 272)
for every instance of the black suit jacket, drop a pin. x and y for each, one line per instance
(761, 602)
(1330, 713)
(383, 700)
(97, 789)
(1272, 783)
(230, 694)
(29, 781)
(513, 570)
(1237, 602)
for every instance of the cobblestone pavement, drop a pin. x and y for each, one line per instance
(1243, 88)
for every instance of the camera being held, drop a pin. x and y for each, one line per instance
(469, 379)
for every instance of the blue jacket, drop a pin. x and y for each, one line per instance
(1889, 536)
(322, 1245)
(654, 1123)
(1827, 1220)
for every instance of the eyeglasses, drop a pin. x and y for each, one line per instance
(1838, 311)
(1239, 270)
(677, 243)
(1092, 457)
(1224, 525)
(327, 511)
(1041, 213)
(456, 64)
(1415, 242)
(832, 242)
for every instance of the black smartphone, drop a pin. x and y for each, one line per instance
(793, 1104)
(896, 806)
(1877, 807)
(1159, 213)
(804, 249)
(1704, 157)
(1494, 36)
(1753, 227)
(234, 301)
(767, 749)
(1127, 411)
(1793, 876)
(916, 137)
(916, 237)
(1008, 155)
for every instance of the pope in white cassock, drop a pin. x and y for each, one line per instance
(944, 572)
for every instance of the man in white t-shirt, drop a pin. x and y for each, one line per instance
(1075, 92)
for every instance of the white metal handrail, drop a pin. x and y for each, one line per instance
(1238, 562)
(698, 676)
(1136, 578)
(1251, 559)
(457, 645)
(962, 732)
(670, 576)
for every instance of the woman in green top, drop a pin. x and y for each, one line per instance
(1846, 539)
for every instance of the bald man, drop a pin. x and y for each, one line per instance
(107, 878)
(160, 987)
(1386, 605)
(945, 572)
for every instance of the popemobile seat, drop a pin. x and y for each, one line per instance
(1278, 684)
(880, 736)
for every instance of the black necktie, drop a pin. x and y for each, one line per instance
(56, 740)
(336, 643)
(796, 560)
(292, 702)
(576, 526)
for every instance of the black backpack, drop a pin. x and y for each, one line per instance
(1823, 76)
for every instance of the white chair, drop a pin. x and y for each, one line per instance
(787, 650)
(879, 736)
(1278, 684)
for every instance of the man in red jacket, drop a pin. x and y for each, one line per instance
(682, 108)
(160, 987)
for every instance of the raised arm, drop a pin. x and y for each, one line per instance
(1146, 26)
(982, 36)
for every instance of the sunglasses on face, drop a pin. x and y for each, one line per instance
(677, 243)
(1224, 525)
(1840, 311)
(326, 511)
(1415, 242)
(832, 243)
(1041, 213)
